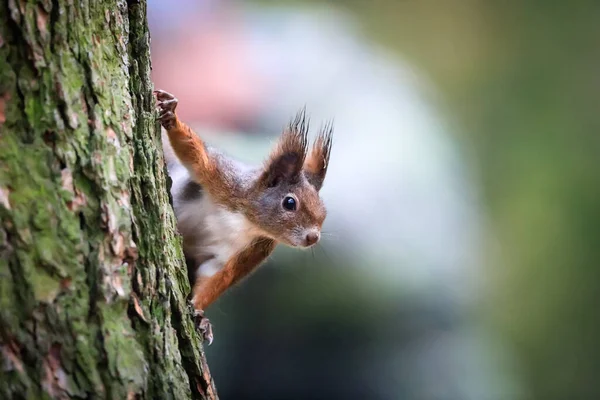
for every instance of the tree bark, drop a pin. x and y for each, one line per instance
(93, 286)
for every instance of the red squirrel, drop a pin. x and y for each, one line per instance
(231, 215)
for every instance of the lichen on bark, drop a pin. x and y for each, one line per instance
(92, 281)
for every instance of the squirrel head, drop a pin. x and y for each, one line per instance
(285, 199)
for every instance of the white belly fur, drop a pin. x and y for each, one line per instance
(210, 231)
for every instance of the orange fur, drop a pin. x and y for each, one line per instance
(316, 163)
(207, 290)
(205, 169)
(287, 158)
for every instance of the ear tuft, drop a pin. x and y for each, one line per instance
(287, 158)
(315, 165)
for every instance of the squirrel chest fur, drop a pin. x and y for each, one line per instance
(212, 233)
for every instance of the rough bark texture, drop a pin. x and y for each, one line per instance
(92, 283)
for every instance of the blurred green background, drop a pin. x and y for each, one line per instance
(522, 80)
(519, 82)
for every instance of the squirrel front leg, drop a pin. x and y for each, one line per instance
(191, 150)
(208, 289)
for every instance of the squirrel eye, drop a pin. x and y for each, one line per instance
(289, 203)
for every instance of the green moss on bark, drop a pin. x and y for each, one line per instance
(92, 283)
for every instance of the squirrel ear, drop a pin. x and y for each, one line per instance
(287, 158)
(315, 165)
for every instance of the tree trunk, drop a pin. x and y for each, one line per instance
(93, 285)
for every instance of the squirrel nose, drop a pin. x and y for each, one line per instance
(312, 238)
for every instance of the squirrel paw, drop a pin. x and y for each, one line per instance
(166, 108)
(203, 325)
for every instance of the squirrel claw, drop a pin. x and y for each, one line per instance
(204, 326)
(166, 108)
(161, 95)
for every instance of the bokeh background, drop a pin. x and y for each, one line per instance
(460, 256)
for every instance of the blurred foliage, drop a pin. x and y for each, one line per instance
(521, 81)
